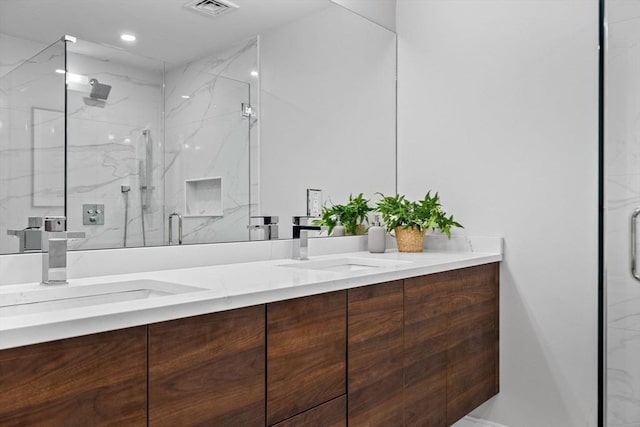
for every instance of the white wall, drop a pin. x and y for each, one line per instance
(498, 111)
(327, 111)
(381, 12)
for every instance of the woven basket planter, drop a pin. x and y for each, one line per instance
(360, 229)
(410, 239)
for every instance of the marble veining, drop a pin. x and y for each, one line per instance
(106, 150)
(207, 136)
(27, 94)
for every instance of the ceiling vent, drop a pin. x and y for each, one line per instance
(211, 7)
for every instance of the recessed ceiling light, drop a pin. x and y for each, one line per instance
(60, 71)
(254, 73)
(185, 97)
(128, 37)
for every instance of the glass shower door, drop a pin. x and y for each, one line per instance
(207, 133)
(621, 199)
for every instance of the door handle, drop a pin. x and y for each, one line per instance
(634, 241)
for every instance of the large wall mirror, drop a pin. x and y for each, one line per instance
(214, 114)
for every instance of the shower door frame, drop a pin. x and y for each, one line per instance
(602, 342)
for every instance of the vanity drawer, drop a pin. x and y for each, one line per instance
(208, 370)
(306, 353)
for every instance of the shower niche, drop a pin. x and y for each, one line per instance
(203, 197)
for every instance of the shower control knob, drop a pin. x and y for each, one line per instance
(93, 214)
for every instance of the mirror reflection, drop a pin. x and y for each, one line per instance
(194, 130)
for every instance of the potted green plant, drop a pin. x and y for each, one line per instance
(410, 220)
(351, 215)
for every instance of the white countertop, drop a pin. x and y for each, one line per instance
(225, 287)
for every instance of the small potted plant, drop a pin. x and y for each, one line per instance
(352, 215)
(410, 220)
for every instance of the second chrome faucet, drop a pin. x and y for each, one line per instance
(300, 243)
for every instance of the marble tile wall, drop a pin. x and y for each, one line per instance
(207, 136)
(622, 145)
(31, 110)
(107, 149)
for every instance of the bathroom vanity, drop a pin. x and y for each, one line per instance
(355, 339)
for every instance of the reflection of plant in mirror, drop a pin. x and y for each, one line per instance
(427, 213)
(352, 215)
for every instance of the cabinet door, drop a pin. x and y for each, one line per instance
(472, 345)
(375, 355)
(93, 380)
(208, 370)
(330, 414)
(306, 353)
(425, 342)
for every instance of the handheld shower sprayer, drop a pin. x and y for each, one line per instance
(124, 189)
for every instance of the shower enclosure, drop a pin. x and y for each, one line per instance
(620, 177)
(114, 115)
(117, 142)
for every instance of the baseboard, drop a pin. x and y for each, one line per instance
(476, 422)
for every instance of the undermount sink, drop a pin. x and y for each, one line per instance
(345, 264)
(48, 299)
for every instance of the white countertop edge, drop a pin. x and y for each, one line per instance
(38, 329)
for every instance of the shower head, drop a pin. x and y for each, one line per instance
(99, 90)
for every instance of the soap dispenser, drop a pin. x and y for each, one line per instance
(338, 230)
(377, 237)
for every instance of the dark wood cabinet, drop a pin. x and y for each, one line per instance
(330, 414)
(416, 352)
(208, 370)
(426, 300)
(472, 344)
(451, 344)
(306, 353)
(375, 355)
(93, 380)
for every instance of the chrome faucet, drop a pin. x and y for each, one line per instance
(300, 243)
(54, 240)
(30, 237)
(269, 226)
(171, 228)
